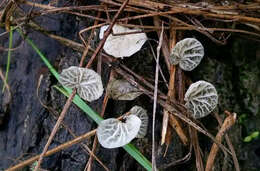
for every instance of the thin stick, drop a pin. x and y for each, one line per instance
(59, 148)
(166, 53)
(5, 83)
(165, 48)
(54, 150)
(170, 95)
(55, 129)
(228, 122)
(160, 6)
(155, 99)
(197, 149)
(90, 160)
(92, 31)
(175, 125)
(106, 34)
(55, 115)
(235, 160)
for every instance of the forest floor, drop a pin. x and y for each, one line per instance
(30, 103)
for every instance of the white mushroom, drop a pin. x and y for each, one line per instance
(201, 99)
(142, 114)
(113, 133)
(187, 53)
(122, 45)
(122, 90)
(87, 82)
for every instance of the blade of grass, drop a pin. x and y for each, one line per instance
(8, 56)
(129, 147)
(91, 113)
(81, 104)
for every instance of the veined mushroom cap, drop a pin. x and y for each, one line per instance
(122, 90)
(122, 45)
(113, 133)
(87, 82)
(187, 53)
(142, 114)
(201, 99)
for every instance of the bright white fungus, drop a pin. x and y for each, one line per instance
(142, 114)
(113, 133)
(201, 99)
(122, 90)
(87, 82)
(187, 53)
(122, 45)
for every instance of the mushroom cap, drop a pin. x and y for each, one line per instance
(142, 114)
(201, 99)
(187, 53)
(87, 82)
(122, 45)
(113, 133)
(122, 90)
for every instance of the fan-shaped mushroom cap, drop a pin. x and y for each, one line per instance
(122, 90)
(187, 53)
(122, 45)
(201, 99)
(142, 114)
(113, 133)
(87, 82)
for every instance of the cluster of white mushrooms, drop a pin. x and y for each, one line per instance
(201, 97)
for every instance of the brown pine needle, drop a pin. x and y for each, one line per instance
(60, 147)
(155, 99)
(174, 124)
(55, 128)
(230, 145)
(53, 151)
(197, 149)
(228, 122)
(106, 34)
(94, 146)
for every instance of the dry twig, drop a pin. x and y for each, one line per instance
(155, 98)
(228, 122)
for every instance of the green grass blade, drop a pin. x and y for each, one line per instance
(8, 55)
(91, 113)
(47, 63)
(130, 148)
(81, 104)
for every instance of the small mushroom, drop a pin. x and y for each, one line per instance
(113, 133)
(142, 114)
(201, 99)
(122, 90)
(87, 82)
(122, 45)
(187, 53)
